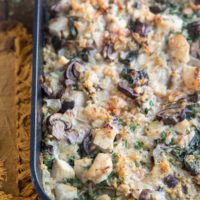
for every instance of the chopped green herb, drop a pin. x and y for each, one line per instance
(171, 130)
(174, 9)
(92, 194)
(119, 181)
(71, 160)
(138, 145)
(137, 163)
(48, 161)
(163, 135)
(197, 155)
(129, 109)
(121, 122)
(86, 167)
(151, 103)
(171, 160)
(114, 157)
(146, 110)
(73, 32)
(112, 175)
(179, 153)
(126, 143)
(74, 182)
(81, 197)
(133, 127)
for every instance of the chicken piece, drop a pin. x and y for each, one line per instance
(100, 169)
(80, 167)
(191, 77)
(168, 23)
(116, 102)
(154, 129)
(182, 127)
(65, 192)
(93, 112)
(179, 48)
(184, 140)
(57, 25)
(104, 138)
(61, 6)
(62, 169)
(103, 3)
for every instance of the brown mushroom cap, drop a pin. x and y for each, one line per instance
(72, 72)
(66, 105)
(58, 126)
(133, 85)
(86, 144)
(171, 181)
(143, 29)
(178, 111)
(195, 49)
(146, 194)
(125, 89)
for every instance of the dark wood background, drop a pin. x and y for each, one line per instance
(19, 10)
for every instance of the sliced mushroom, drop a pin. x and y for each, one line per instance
(143, 29)
(108, 51)
(194, 98)
(73, 136)
(195, 49)
(58, 125)
(194, 29)
(86, 144)
(133, 85)
(69, 82)
(171, 181)
(146, 194)
(178, 111)
(135, 78)
(66, 105)
(125, 89)
(49, 90)
(72, 73)
(172, 114)
(156, 9)
(46, 91)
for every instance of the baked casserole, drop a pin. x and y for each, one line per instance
(121, 100)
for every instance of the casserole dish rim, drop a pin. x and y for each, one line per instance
(36, 133)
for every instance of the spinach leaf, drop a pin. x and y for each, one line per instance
(73, 32)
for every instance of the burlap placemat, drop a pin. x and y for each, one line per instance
(15, 106)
